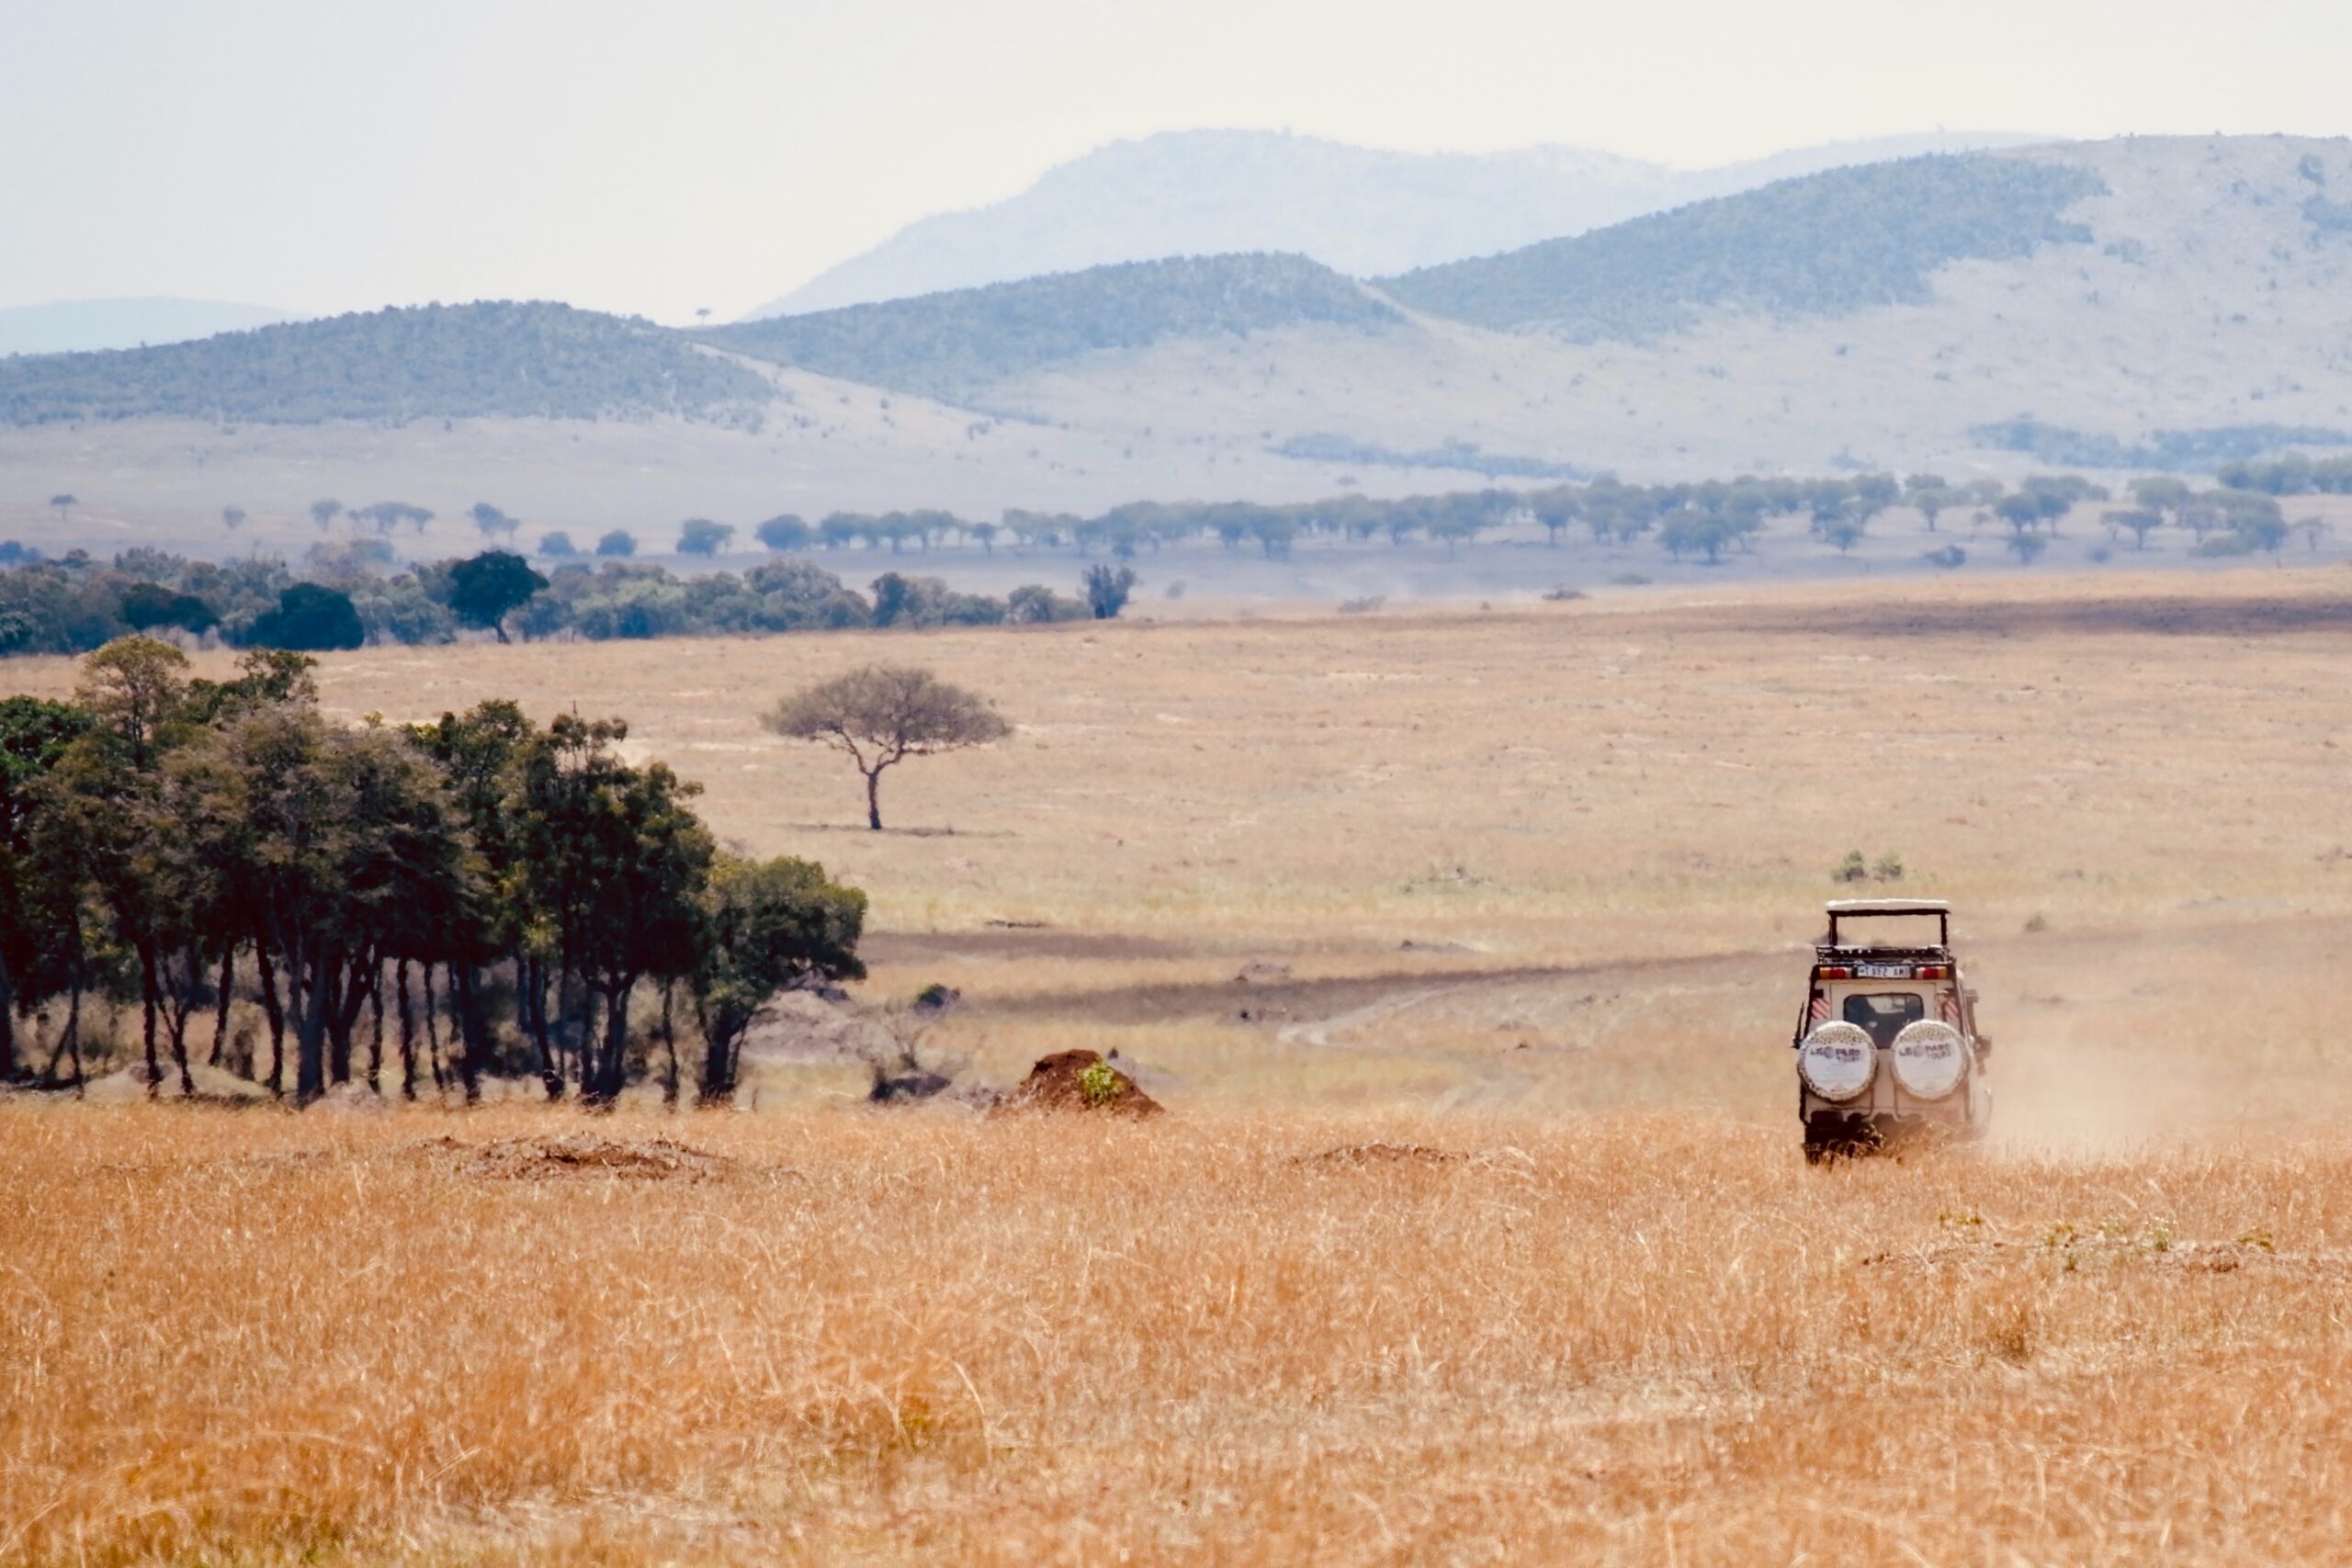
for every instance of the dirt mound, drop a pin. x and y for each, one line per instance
(212, 1085)
(1079, 1080)
(1381, 1153)
(578, 1154)
(352, 1100)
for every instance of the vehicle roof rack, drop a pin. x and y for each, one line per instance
(1865, 908)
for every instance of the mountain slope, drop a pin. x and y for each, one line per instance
(2196, 296)
(443, 361)
(1824, 244)
(74, 326)
(951, 344)
(1360, 210)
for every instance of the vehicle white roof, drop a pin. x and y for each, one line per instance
(1889, 907)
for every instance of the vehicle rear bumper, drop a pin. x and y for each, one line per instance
(1826, 1123)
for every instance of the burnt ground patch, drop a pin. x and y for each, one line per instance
(2242, 615)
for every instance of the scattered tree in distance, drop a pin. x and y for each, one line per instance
(1107, 590)
(884, 714)
(491, 586)
(701, 537)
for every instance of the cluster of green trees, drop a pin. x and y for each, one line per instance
(2294, 474)
(353, 594)
(2224, 521)
(196, 847)
(354, 591)
(2198, 450)
(1705, 519)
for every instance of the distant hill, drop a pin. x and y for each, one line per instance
(949, 344)
(438, 361)
(1360, 210)
(82, 326)
(2120, 304)
(1824, 244)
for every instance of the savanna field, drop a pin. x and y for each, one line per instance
(1464, 949)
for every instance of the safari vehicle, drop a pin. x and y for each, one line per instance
(1887, 1047)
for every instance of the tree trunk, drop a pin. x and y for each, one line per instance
(276, 1011)
(7, 1026)
(73, 1030)
(612, 1063)
(718, 1086)
(472, 1048)
(335, 989)
(311, 1039)
(227, 988)
(873, 800)
(670, 1044)
(433, 1032)
(147, 1008)
(376, 1037)
(179, 1004)
(535, 998)
(408, 1029)
(551, 1061)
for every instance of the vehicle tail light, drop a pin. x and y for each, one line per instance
(1840, 972)
(1935, 971)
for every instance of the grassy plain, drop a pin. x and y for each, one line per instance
(1524, 892)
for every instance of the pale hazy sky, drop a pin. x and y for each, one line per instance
(337, 154)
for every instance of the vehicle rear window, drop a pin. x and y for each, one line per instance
(1884, 1013)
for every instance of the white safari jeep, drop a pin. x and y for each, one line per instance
(1887, 1046)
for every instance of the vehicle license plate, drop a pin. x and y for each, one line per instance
(1883, 972)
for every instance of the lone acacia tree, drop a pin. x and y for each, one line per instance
(884, 714)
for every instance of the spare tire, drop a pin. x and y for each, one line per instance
(1837, 1061)
(1930, 1059)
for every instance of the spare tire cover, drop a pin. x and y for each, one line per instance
(1838, 1061)
(1930, 1059)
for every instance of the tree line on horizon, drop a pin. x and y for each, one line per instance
(355, 591)
(342, 601)
(191, 848)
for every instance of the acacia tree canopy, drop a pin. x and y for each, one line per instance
(884, 714)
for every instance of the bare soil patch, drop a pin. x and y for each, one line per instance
(1381, 1153)
(573, 1155)
(2226, 616)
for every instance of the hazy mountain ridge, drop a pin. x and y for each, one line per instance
(2181, 297)
(1363, 211)
(1820, 245)
(516, 360)
(2213, 301)
(955, 345)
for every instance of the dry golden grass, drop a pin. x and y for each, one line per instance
(1633, 1339)
(1625, 1324)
